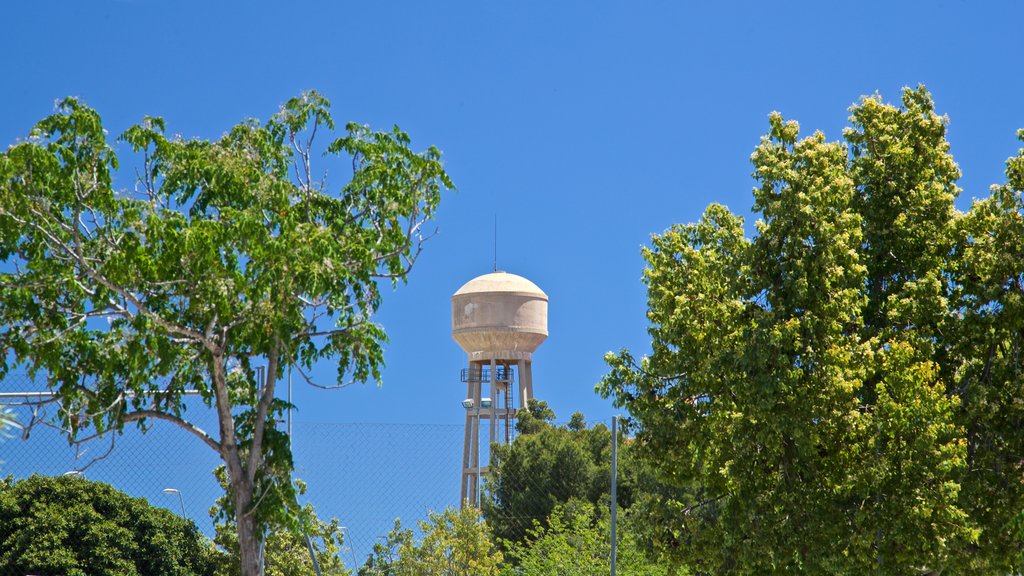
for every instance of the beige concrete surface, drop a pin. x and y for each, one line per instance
(498, 315)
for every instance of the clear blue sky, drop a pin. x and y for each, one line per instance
(587, 126)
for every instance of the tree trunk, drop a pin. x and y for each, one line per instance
(248, 540)
(241, 484)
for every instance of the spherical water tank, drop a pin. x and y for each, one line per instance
(499, 315)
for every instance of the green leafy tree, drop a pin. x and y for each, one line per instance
(70, 526)
(537, 416)
(453, 543)
(983, 359)
(576, 541)
(835, 395)
(544, 466)
(549, 468)
(225, 254)
(386, 558)
(286, 552)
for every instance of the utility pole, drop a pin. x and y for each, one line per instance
(615, 474)
(305, 533)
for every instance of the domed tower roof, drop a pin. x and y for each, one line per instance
(501, 282)
(499, 315)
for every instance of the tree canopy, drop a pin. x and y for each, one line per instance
(452, 543)
(224, 255)
(71, 526)
(545, 466)
(547, 499)
(839, 393)
(575, 540)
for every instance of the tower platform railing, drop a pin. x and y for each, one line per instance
(502, 374)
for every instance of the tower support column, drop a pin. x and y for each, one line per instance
(499, 374)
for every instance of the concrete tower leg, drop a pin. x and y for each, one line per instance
(467, 443)
(506, 402)
(527, 381)
(523, 397)
(471, 448)
(493, 434)
(476, 433)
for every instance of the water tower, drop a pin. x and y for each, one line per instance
(499, 320)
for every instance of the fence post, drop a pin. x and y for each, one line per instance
(615, 474)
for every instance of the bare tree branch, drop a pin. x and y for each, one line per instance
(266, 397)
(181, 423)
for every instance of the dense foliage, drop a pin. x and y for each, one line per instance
(544, 466)
(69, 526)
(547, 498)
(841, 393)
(452, 543)
(224, 255)
(575, 540)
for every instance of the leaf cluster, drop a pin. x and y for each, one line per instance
(453, 543)
(575, 540)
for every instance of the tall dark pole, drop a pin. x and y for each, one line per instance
(615, 474)
(305, 535)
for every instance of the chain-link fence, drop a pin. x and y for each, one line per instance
(365, 475)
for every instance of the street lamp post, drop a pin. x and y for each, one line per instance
(345, 531)
(180, 499)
